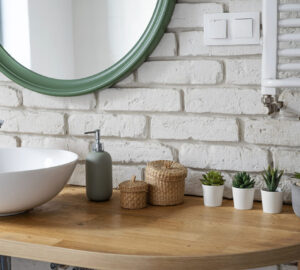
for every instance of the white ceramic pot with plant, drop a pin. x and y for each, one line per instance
(272, 196)
(295, 188)
(213, 188)
(243, 191)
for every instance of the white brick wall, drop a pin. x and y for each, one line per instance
(180, 72)
(191, 103)
(191, 44)
(191, 15)
(223, 157)
(35, 100)
(243, 72)
(272, 131)
(140, 99)
(166, 47)
(224, 100)
(9, 97)
(122, 125)
(23, 121)
(194, 127)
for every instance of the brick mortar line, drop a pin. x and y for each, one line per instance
(138, 113)
(163, 142)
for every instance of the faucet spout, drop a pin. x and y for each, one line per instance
(1, 123)
(272, 103)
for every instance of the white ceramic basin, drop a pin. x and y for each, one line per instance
(31, 177)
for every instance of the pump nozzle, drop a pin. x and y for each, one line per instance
(97, 146)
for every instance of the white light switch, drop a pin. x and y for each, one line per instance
(217, 29)
(232, 28)
(242, 28)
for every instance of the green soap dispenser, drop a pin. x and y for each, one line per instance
(98, 169)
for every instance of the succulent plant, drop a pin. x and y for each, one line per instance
(243, 180)
(297, 175)
(213, 178)
(272, 178)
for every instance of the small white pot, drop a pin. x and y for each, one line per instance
(213, 195)
(243, 198)
(272, 201)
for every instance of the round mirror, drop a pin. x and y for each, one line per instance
(72, 47)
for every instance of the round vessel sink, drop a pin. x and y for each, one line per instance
(31, 177)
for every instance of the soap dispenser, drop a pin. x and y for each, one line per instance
(98, 171)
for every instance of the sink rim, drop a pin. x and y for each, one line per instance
(74, 159)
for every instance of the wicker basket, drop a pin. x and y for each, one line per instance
(133, 194)
(166, 182)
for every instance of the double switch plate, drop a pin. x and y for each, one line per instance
(232, 28)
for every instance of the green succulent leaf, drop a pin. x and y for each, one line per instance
(272, 177)
(213, 178)
(243, 180)
(297, 175)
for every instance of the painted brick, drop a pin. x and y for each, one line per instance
(78, 176)
(272, 131)
(243, 72)
(191, 43)
(123, 173)
(137, 152)
(291, 100)
(224, 100)
(120, 173)
(23, 264)
(223, 157)
(111, 125)
(33, 122)
(287, 159)
(79, 146)
(8, 141)
(140, 99)
(191, 15)
(288, 267)
(181, 72)
(166, 47)
(245, 5)
(9, 96)
(197, 128)
(36, 100)
(272, 267)
(193, 184)
(129, 80)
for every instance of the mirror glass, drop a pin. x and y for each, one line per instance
(72, 39)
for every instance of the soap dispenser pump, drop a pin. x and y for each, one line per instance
(98, 169)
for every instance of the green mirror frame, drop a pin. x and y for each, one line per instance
(130, 62)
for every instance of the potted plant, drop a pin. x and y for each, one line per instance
(296, 195)
(213, 188)
(243, 191)
(272, 196)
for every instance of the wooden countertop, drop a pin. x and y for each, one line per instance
(71, 230)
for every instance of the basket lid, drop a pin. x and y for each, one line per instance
(169, 167)
(133, 185)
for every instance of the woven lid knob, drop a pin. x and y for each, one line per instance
(168, 165)
(133, 186)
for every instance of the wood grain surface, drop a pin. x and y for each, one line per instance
(74, 231)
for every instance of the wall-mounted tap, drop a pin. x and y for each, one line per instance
(1, 123)
(272, 103)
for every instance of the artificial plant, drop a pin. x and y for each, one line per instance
(213, 178)
(272, 177)
(243, 180)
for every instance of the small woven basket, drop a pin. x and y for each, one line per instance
(133, 194)
(166, 182)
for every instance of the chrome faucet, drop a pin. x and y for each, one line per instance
(1, 123)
